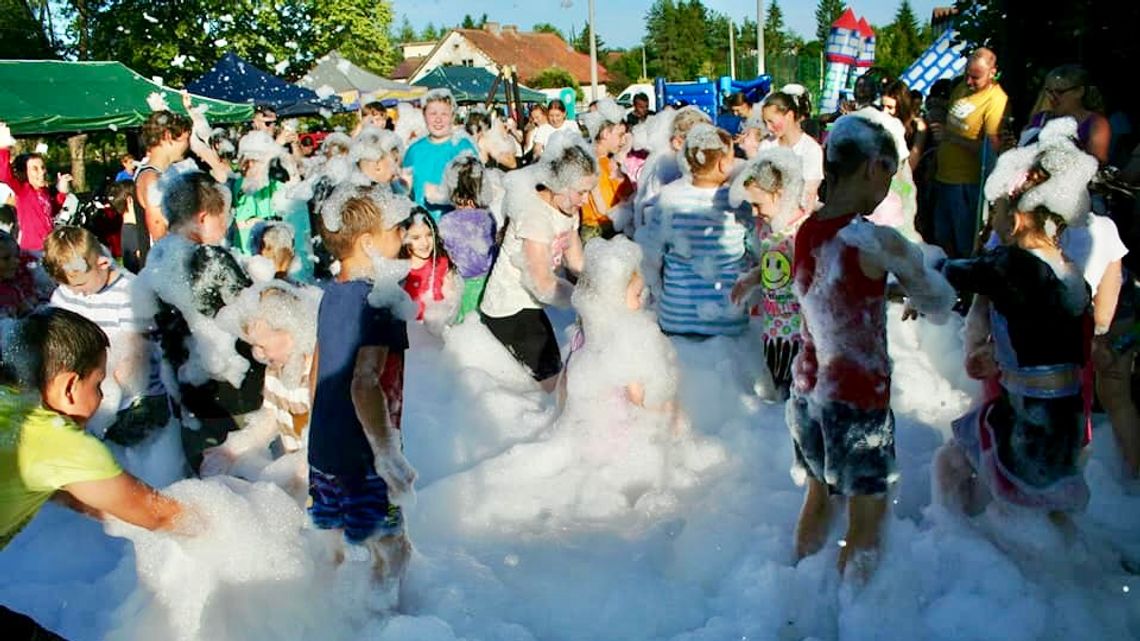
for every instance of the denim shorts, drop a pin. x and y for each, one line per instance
(357, 505)
(850, 450)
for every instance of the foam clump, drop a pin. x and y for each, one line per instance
(244, 573)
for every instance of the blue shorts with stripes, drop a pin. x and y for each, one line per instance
(357, 505)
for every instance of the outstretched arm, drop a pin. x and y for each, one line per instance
(884, 250)
(127, 499)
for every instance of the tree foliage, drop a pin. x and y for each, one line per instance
(546, 27)
(552, 78)
(901, 42)
(581, 40)
(826, 12)
(180, 40)
(472, 23)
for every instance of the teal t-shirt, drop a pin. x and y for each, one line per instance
(428, 159)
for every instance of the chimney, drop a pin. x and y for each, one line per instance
(491, 27)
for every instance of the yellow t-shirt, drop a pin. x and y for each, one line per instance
(41, 452)
(971, 116)
(611, 191)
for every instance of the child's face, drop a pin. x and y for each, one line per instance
(382, 242)
(212, 228)
(438, 114)
(764, 204)
(420, 240)
(91, 281)
(777, 122)
(381, 170)
(77, 397)
(9, 260)
(571, 200)
(634, 291)
(37, 173)
(271, 347)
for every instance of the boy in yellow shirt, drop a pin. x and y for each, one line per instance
(61, 357)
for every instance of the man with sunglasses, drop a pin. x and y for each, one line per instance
(972, 129)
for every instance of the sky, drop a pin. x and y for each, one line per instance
(621, 23)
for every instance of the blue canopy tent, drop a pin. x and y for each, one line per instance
(236, 80)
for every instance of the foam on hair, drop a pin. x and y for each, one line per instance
(776, 169)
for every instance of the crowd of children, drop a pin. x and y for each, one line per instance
(258, 326)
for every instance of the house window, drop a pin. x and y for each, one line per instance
(468, 62)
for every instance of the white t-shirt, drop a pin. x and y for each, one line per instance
(544, 132)
(505, 294)
(111, 308)
(1093, 248)
(810, 153)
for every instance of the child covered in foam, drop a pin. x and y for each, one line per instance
(1028, 326)
(278, 320)
(773, 183)
(621, 447)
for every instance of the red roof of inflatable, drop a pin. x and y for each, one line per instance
(865, 29)
(846, 21)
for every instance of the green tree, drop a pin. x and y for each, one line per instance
(546, 27)
(554, 78)
(581, 41)
(826, 12)
(179, 41)
(901, 42)
(776, 37)
(472, 23)
(407, 32)
(430, 33)
(24, 34)
(677, 38)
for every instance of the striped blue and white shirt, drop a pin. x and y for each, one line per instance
(113, 310)
(704, 240)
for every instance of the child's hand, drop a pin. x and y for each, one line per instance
(743, 286)
(217, 461)
(398, 474)
(909, 313)
(980, 363)
(6, 139)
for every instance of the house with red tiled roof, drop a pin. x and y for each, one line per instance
(494, 47)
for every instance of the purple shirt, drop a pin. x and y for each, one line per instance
(469, 238)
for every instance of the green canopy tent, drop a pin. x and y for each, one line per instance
(48, 96)
(473, 84)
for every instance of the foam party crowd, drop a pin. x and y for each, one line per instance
(625, 376)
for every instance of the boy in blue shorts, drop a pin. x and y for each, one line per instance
(357, 472)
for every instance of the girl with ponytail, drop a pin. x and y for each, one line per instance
(784, 113)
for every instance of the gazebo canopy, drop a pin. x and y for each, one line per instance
(53, 96)
(356, 85)
(473, 84)
(236, 80)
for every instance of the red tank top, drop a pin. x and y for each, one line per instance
(844, 355)
(430, 275)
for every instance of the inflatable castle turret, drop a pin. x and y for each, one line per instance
(849, 52)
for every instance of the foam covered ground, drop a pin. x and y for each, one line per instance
(529, 527)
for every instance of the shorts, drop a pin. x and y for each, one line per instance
(529, 337)
(472, 295)
(850, 450)
(359, 506)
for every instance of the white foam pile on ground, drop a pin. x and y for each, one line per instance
(529, 528)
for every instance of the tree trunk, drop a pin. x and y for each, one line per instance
(78, 146)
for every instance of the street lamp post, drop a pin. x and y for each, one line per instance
(593, 57)
(759, 37)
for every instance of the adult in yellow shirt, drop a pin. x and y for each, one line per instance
(977, 109)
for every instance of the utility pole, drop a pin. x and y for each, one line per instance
(759, 37)
(731, 50)
(644, 69)
(593, 57)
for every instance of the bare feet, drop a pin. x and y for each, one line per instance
(815, 520)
